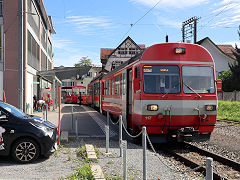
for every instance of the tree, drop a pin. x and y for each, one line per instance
(231, 78)
(83, 62)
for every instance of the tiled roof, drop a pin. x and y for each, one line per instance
(142, 46)
(227, 49)
(105, 52)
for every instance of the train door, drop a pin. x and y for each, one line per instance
(129, 96)
(101, 89)
(93, 92)
(124, 96)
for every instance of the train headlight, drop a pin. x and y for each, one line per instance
(180, 50)
(210, 107)
(152, 107)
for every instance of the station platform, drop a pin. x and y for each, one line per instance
(81, 121)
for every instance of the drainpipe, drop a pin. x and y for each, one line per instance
(20, 53)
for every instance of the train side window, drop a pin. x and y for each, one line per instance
(106, 88)
(109, 87)
(123, 83)
(112, 86)
(103, 89)
(117, 85)
(137, 75)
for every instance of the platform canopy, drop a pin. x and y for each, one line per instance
(62, 73)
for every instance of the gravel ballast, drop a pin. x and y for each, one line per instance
(60, 164)
(225, 141)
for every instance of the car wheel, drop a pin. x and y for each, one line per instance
(25, 151)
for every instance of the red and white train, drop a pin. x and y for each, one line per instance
(170, 88)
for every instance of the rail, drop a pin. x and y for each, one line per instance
(145, 139)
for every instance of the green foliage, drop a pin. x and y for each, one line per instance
(83, 62)
(229, 110)
(97, 151)
(81, 152)
(231, 80)
(226, 77)
(83, 173)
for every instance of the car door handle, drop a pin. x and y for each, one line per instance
(12, 132)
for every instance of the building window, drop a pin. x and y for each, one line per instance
(89, 74)
(1, 8)
(49, 48)
(72, 83)
(122, 51)
(33, 52)
(49, 65)
(43, 61)
(33, 17)
(132, 51)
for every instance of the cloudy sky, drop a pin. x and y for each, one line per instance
(85, 26)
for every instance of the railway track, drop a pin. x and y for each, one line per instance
(195, 158)
(228, 121)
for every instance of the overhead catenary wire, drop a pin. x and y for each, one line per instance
(226, 8)
(132, 25)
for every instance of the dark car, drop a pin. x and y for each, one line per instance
(25, 137)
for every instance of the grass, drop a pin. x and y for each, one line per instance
(97, 151)
(229, 110)
(81, 152)
(110, 162)
(84, 173)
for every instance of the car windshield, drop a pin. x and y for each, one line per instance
(198, 79)
(161, 79)
(11, 109)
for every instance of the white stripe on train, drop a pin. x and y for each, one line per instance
(178, 107)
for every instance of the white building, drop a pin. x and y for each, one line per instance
(222, 54)
(111, 58)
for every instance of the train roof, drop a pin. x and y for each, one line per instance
(96, 78)
(166, 53)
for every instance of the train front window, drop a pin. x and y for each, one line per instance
(198, 79)
(161, 79)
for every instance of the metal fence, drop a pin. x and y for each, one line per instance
(229, 96)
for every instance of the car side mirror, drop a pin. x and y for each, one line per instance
(219, 85)
(3, 118)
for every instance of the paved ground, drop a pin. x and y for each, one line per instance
(90, 130)
(89, 122)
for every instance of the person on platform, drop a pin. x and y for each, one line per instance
(80, 99)
(35, 102)
(41, 103)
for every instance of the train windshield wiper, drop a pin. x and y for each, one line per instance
(164, 95)
(189, 87)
